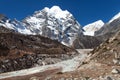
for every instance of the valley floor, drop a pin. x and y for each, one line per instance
(64, 66)
(72, 69)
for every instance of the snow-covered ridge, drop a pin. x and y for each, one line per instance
(115, 17)
(92, 27)
(14, 25)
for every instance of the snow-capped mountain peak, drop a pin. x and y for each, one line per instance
(115, 17)
(55, 9)
(54, 23)
(92, 27)
(57, 12)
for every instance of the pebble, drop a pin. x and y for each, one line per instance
(115, 71)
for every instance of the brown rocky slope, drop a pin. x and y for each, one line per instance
(19, 51)
(103, 63)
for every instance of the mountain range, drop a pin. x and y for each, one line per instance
(58, 24)
(53, 23)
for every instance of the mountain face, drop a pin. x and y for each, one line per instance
(108, 51)
(86, 42)
(55, 24)
(97, 32)
(109, 28)
(92, 27)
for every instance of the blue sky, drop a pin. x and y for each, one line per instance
(85, 11)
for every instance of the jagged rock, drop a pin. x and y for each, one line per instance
(115, 71)
(116, 61)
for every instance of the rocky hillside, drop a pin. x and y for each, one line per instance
(18, 51)
(103, 63)
(108, 51)
(86, 42)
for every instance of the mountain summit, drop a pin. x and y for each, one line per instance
(54, 23)
(57, 12)
(92, 27)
